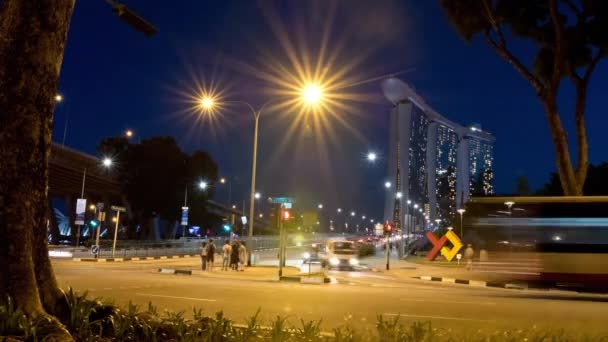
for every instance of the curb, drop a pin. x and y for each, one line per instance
(173, 271)
(475, 283)
(131, 259)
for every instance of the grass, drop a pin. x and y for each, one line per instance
(95, 320)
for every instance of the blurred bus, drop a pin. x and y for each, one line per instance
(568, 235)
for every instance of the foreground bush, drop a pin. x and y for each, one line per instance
(92, 320)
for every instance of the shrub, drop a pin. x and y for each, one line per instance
(92, 320)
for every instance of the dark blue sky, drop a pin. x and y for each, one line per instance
(114, 78)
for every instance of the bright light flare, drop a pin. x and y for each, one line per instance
(129, 133)
(202, 185)
(207, 103)
(107, 162)
(58, 98)
(372, 156)
(312, 93)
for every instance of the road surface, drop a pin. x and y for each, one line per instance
(355, 297)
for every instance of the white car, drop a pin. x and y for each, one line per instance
(341, 254)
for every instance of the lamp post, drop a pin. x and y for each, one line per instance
(509, 205)
(105, 162)
(311, 94)
(461, 211)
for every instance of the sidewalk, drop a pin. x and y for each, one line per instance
(416, 267)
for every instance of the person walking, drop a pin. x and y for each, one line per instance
(242, 256)
(204, 256)
(210, 255)
(469, 253)
(226, 251)
(234, 256)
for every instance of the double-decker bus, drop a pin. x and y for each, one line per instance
(567, 235)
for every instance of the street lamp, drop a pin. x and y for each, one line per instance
(399, 194)
(58, 98)
(202, 185)
(320, 206)
(311, 94)
(372, 156)
(363, 217)
(387, 185)
(129, 133)
(257, 195)
(107, 161)
(510, 204)
(461, 211)
(339, 210)
(415, 206)
(352, 213)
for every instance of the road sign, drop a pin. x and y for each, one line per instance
(99, 206)
(287, 205)
(281, 200)
(81, 207)
(184, 220)
(117, 208)
(94, 249)
(379, 229)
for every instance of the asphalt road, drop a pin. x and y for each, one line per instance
(357, 297)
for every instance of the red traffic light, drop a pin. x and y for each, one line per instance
(286, 215)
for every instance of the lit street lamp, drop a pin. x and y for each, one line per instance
(105, 162)
(257, 195)
(320, 206)
(372, 156)
(399, 194)
(311, 94)
(339, 210)
(352, 213)
(202, 185)
(387, 185)
(461, 212)
(129, 133)
(58, 98)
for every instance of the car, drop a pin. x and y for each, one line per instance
(341, 254)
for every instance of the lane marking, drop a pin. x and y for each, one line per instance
(444, 301)
(176, 297)
(439, 317)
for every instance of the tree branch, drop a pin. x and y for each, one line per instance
(573, 7)
(494, 23)
(503, 52)
(558, 27)
(582, 163)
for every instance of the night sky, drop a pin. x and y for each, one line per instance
(114, 78)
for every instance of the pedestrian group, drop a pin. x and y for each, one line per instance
(234, 255)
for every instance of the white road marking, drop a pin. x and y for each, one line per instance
(444, 301)
(438, 317)
(176, 297)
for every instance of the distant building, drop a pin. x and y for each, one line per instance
(441, 163)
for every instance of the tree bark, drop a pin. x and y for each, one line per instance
(32, 40)
(560, 142)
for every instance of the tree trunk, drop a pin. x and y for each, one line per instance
(32, 39)
(565, 170)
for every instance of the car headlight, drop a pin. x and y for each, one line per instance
(334, 261)
(306, 255)
(353, 262)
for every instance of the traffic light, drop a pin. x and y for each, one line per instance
(388, 228)
(226, 227)
(286, 215)
(93, 224)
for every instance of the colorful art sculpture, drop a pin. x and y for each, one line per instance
(439, 245)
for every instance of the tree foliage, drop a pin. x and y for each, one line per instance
(522, 186)
(155, 175)
(596, 183)
(569, 41)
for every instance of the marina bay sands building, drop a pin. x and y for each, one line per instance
(433, 162)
